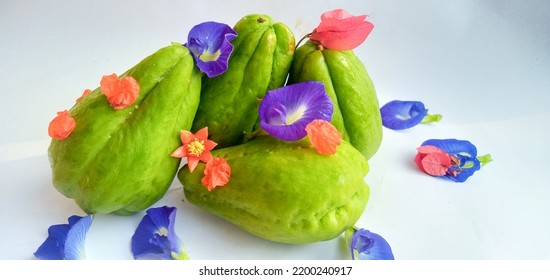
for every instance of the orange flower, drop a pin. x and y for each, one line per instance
(323, 136)
(86, 92)
(216, 173)
(196, 147)
(120, 93)
(61, 126)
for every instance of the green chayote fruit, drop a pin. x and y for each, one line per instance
(356, 109)
(260, 61)
(119, 160)
(285, 191)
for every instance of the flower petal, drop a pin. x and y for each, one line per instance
(276, 114)
(209, 42)
(155, 237)
(180, 152)
(202, 133)
(454, 146)
(436, 164)
(367, 245)
(464, 151)
(339, 30)
(323, 136)
(209, 145)
(343, 40)
(428, 149)
(76, 237)
(399, 114)
(53, 247)
(285, 112)
(192, 163)
(61, 126)
(65, 241)
(338, 20)
(186, 136)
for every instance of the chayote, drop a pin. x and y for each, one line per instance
(261, 58)
(356, 109)
(285, 191)
(119, 160)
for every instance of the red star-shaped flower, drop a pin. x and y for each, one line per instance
(196, 147)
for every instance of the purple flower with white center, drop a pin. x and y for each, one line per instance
(398, 115)
(285, 112)
(66, 241)
(367, 245)
(465, 154)
(209, 43)
(155, 237)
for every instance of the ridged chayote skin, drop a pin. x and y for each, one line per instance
(119, 160)
(356, 110)
(260, 61)
(285, 191)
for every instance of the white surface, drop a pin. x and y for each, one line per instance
(483, 64)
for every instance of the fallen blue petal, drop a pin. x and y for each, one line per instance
(398, 115)
(466, 153)
(285, 112)
(367, 245)
(155, 237)
(209, 43)
(454, 146)
(66, 241)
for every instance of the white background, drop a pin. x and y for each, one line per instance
(483, 64)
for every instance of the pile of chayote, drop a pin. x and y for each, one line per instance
(118, 161)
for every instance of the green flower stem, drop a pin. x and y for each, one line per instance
(432, 118)
(484, 159)
(182, 256)
(348, 235)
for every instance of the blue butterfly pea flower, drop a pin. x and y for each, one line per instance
(466, 154)
(155, 237)
(66, 241)
(399, 115)
(367, 245)
(209, 43)
(285, 112)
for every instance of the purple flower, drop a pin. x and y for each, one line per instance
(367, 245)
(155, 237)
(285, 112)
(398, 115)
(209, 42)
(465, 160)
(65, 241)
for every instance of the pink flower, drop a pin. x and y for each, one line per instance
(433, 160)
(339, 30)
